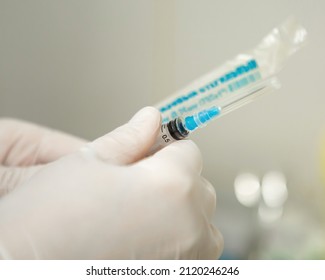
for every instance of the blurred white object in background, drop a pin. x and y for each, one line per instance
(247, 189)
(274, 189)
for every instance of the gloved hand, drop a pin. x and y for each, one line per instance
(25, 148)
(109, 201)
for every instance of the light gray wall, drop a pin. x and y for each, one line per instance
(73, 64)
(86, 66)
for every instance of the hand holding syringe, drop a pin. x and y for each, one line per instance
(181, 127)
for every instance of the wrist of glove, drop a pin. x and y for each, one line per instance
(25, 148)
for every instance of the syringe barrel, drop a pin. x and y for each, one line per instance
(169, 133)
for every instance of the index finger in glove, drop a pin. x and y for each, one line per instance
(183, 154)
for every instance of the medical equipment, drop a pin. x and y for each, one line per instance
(234, 84)
(181, 127)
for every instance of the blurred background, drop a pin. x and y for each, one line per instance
(85, 67)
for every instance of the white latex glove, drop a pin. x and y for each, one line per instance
(108, 201)
(25, 147)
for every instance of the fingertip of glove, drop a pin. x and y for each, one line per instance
(131, 141)
(147, 114)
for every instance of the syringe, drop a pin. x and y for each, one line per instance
(181, 127)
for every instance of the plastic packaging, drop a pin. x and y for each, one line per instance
(237, 82)
(237, 75)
